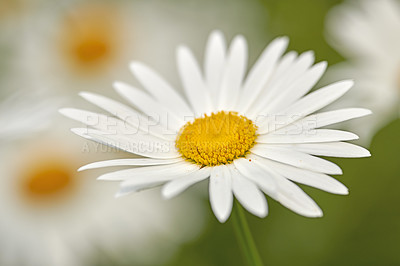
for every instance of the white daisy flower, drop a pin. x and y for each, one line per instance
(52, 215)
(368, 34)
(245, 133)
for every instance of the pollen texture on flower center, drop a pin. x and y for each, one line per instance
(216, 139)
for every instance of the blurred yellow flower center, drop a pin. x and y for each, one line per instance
(47, 180)
(89, 37)
(91, 49)
(216, 139)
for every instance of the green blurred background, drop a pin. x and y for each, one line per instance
(362, 228)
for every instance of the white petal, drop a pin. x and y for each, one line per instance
(220, 190)
(139, 175)
(285, 192)
(261, 72)
(284, 64)
(325, 119)
(298, 88)
(160, 89)
(233, 75)
(296, 158)
(333, 117)
(98, 121)
(320, 98)
(333, 149)
(192, 81)
(295, 199)
(248, 194)
(116, 108)
(177, 186)
(129, 162)
(148, 177)
(317, 135)
(295, 71)
(114, 125)
(311, 103)
(144, 145)
(280, 82)
(149, 106)
(306, 177)
(126, 114)
(214, 62)
(252, 171)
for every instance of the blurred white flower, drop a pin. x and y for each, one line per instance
(367, 33)
(245, 134)
(70, 45)
(24, 113)
(73, 45)
(52, 215)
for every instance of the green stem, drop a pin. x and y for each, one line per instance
(244, 236)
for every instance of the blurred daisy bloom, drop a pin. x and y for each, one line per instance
(52, 215)
(24, 112)
(85, 43)
(368, 33)
(247, 134)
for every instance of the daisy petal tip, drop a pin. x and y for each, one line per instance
(339, 171)
(222, 218)
(120, 194)
(239, 38)
(314, 213)
(364, 153)
(167, 193)
(309, 53)
(117, 85)
(83, 168)
(340, 189)
(282, 42)
(64, 111)
(368, 112)
(80, 132)
(181, 49)
(344, 192)
(135, 66)
(349, 82)
(84, 94)
(323, 64)
(103, 177)
(284, 39)
(216, 34)
(344, 85)
(319, 214)
(261, 213)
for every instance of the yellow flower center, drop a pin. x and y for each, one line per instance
(216, 139)
(47, 179)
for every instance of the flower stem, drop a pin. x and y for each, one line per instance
(244, 237)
